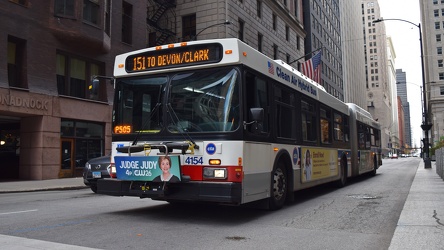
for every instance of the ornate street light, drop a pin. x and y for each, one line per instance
(426, 126)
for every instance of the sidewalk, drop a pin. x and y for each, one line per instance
(42, 185)
(420, 225)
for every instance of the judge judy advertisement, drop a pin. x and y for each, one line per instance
(148, 168)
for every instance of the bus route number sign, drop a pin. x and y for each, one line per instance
(174, 57)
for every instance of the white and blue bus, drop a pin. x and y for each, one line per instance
(217, 121)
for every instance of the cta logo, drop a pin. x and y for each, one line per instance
(211, 148)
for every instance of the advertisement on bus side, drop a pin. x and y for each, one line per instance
(148, 168)
(318, 163)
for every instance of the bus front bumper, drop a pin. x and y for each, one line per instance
(217, 192)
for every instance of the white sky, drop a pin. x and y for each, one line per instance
(405, 38)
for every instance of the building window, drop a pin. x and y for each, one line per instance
(189, 27)
(287, 57)
(440, 63)
(91, 11)
(259, 42)
(298, 42)
(441, 90)
(437, 25)
(438, 37)
(439, 50)
(21, 2)
(127, 25)
(88, 141)
(275, 51)
(240, 33)
(436, 13)
(16, 62)
(64, 8)
(274, 17)
(259, 8)
(296, 8)
(107, 17)
(287, 33)
(74, 76)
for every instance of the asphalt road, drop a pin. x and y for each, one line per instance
(362, 215)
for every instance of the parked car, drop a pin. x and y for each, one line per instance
(394, 156)
(95, 169)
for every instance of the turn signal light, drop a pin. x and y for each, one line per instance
(215, 162)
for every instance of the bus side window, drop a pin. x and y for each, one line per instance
(285, 113)
(325, 125)
(257, 97)
(309, 121)
(361, 136)
(338, 129)
(346, 128)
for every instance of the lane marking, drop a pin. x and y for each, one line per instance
(18, 212)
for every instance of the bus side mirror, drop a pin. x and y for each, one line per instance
(257, 115)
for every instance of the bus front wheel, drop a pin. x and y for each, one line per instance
(278, 187)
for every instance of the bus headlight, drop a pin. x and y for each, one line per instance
(215, 173)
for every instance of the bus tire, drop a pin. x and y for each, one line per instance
(342, 182)
(278, 191)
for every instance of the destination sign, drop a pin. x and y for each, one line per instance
(174, 57)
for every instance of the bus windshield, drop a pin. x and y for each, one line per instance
(198, 101)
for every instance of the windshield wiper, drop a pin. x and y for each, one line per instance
(187, 137)
(136, 138)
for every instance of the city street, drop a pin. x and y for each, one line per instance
(362, 215)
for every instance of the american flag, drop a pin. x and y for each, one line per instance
(311, 67)
(270, 68)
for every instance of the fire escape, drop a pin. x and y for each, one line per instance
(161, 18)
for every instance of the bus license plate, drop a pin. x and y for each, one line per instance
(97, 174)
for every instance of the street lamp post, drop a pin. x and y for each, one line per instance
(426, 126)
(217, 24)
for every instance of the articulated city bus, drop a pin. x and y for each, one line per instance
(217, 121)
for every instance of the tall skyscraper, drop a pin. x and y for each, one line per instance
(401, 89)
(353, 54)
(380, 76)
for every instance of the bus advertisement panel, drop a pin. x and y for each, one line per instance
(319, 163)
(148, 168)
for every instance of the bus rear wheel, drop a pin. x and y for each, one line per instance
(278, 187)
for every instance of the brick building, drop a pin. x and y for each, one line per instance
(50, 121)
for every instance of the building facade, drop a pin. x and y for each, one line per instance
(51, 123)
(432, 21)
(380, 80)
(274, 28)
(353, 54)
(322, 22)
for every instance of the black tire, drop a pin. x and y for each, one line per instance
(279, 186)
(94, 188)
